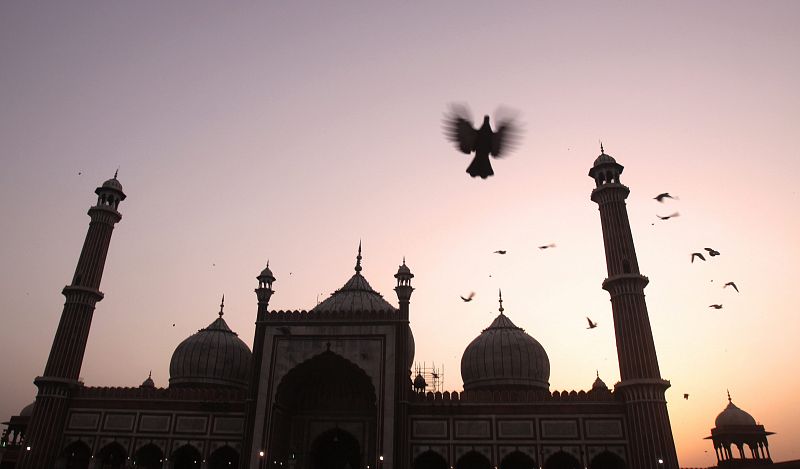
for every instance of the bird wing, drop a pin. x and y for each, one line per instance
(589, 321)
(458, 128)
(506, 137)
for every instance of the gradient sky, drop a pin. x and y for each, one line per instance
(288, 131)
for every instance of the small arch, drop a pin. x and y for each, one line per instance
(335, 449)
(607, 460)
(148, 456)
(224, 457)
(429, 460)
(186, 457)
(473, 460)
(112, 456)
(562, 460)
(518, 460)
(76, 455)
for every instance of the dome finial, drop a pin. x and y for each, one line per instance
(150, 375)
(500, 292)
(358, 258)
(602, 151)
(222, 305)
(116, 172)
(729, 396)
(598, 373)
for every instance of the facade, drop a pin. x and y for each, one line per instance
(331, 387)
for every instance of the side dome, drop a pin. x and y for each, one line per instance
(214, 356)
(733, 416)
(503, 356)
(27, 411)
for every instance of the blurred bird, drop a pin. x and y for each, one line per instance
(547, 246)
(712, 252)
(79, 173)
(676, 214)
(715, 306)
(697, 254)
(469, 297)
(173, 324)
(733, 285)
(592, 325)
(500, 252)
(686, 396)
(483, 141)
(662, 196)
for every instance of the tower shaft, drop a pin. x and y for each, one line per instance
(641, 385)
(63, 366)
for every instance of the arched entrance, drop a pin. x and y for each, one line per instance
(224, 458)
(335, 449)
(562, 460)
(186, 457)
(111, 456)
(430, 460)
(473, 460)
(325, 405)
(76, 456)
(607, 460)
(148, 456)
(518, 460)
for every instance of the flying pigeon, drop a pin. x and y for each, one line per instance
(697, 254)
(483, 141)
(500, 252)
(715, 306)
(667, 217)
(546, 246)
(469, 297)
(686, 396)
(712, 252)
(662, 196)
(733, 285)
(592, 325)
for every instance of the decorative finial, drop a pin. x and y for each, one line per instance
(598, 374)
(150, 375)
(501, 301)
(358, 258)
(729, 396)
(116, 172)
(602, 151)
(222, 306)
(404, 260)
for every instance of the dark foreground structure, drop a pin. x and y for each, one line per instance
(332, 388)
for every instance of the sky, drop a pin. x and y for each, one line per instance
(290, 131)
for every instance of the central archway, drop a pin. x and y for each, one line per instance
(335, 449)
(325, 405)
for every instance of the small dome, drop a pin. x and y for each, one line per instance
(214, 356)
(148, 383)
(266, 273)
(503, 355)
(603, 158)
(599, 384)
(27, 411)
(734, 416)
(419, 382)
(113, 183)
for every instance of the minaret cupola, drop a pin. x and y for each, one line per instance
(605, 169)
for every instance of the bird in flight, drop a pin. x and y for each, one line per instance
(732, 285)
(686, 396)
(712, 252)
(502, 251)
(667, 217)
(697, 254)
(469, 297)
(547, 246)
(662, 196)
(715, 306)
(483, 141)
(592, 325)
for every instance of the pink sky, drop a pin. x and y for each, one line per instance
(289, 132)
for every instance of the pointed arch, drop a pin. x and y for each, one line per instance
(148, 456)
(224, 457)
(473, 460)
(607, 460)
(112, 456)
(76, 455)
(430, 460)
(518, 460)
(186, 457)
(562, 460)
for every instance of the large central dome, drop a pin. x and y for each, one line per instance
(355, 295)
(503, 356)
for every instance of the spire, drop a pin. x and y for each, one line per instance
(116, 172)
(150, 375)
(358, 258)
(729, 396)
(501, 301)
(598, 374)
(222, 305)
(602, 151)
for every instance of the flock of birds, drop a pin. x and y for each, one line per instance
(485, 143)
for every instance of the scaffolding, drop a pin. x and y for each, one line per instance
(428, 378)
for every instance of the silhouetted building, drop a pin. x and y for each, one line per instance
(331, 387)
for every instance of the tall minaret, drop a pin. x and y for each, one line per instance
(641, 385)
(402, 372)
(66, 355)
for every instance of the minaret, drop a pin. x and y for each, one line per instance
(402, 452)
(66, 355)
(263, 294)
(641, 385)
